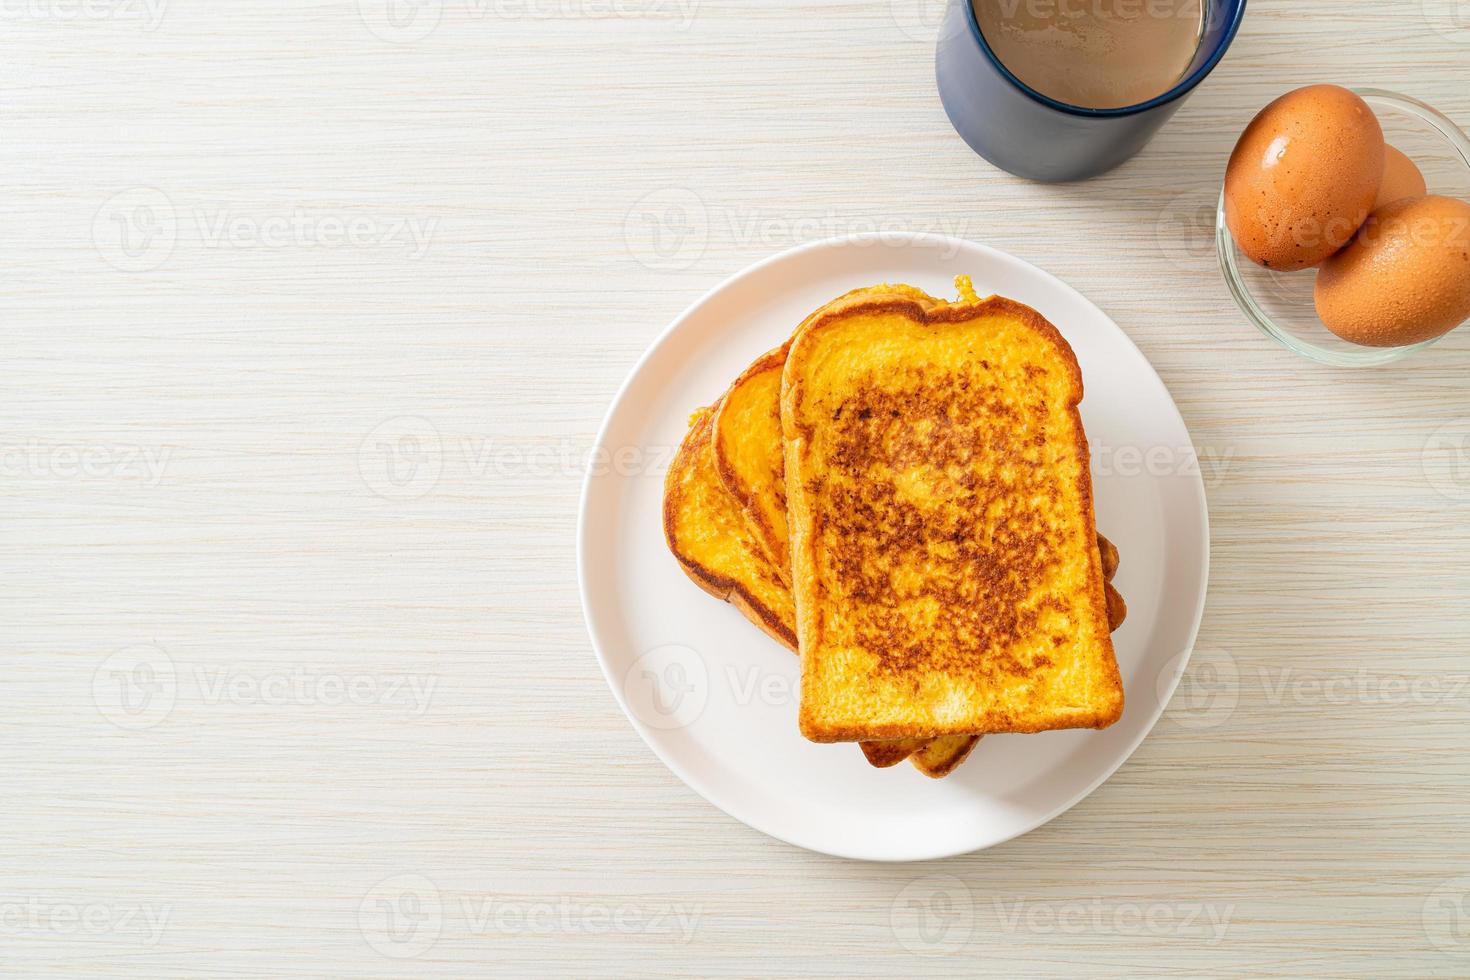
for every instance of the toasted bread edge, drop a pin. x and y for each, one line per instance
(744, 494)
(719, 586)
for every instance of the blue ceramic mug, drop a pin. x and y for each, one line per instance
(1020, 130)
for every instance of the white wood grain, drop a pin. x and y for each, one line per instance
(228, 401)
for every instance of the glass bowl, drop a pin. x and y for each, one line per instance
(1281, 304)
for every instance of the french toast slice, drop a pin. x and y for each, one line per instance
(944, 557)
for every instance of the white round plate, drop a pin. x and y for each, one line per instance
(716, 699)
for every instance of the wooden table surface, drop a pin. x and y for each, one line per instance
(310, 313)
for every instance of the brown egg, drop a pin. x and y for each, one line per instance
(1303, 177)
(1401, 178)
(1405, 277)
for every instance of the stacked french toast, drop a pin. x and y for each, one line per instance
(900, 493)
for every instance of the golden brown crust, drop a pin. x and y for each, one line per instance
(1117, 608)
(798, 431)
(676, 496)
(1110, 558)
(884, 755)
(735, 478)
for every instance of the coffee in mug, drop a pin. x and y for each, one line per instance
(1094, 54)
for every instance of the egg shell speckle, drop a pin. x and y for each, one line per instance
(1404, 279)
(1303, 177)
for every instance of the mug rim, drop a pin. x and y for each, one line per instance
(1179, 90)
